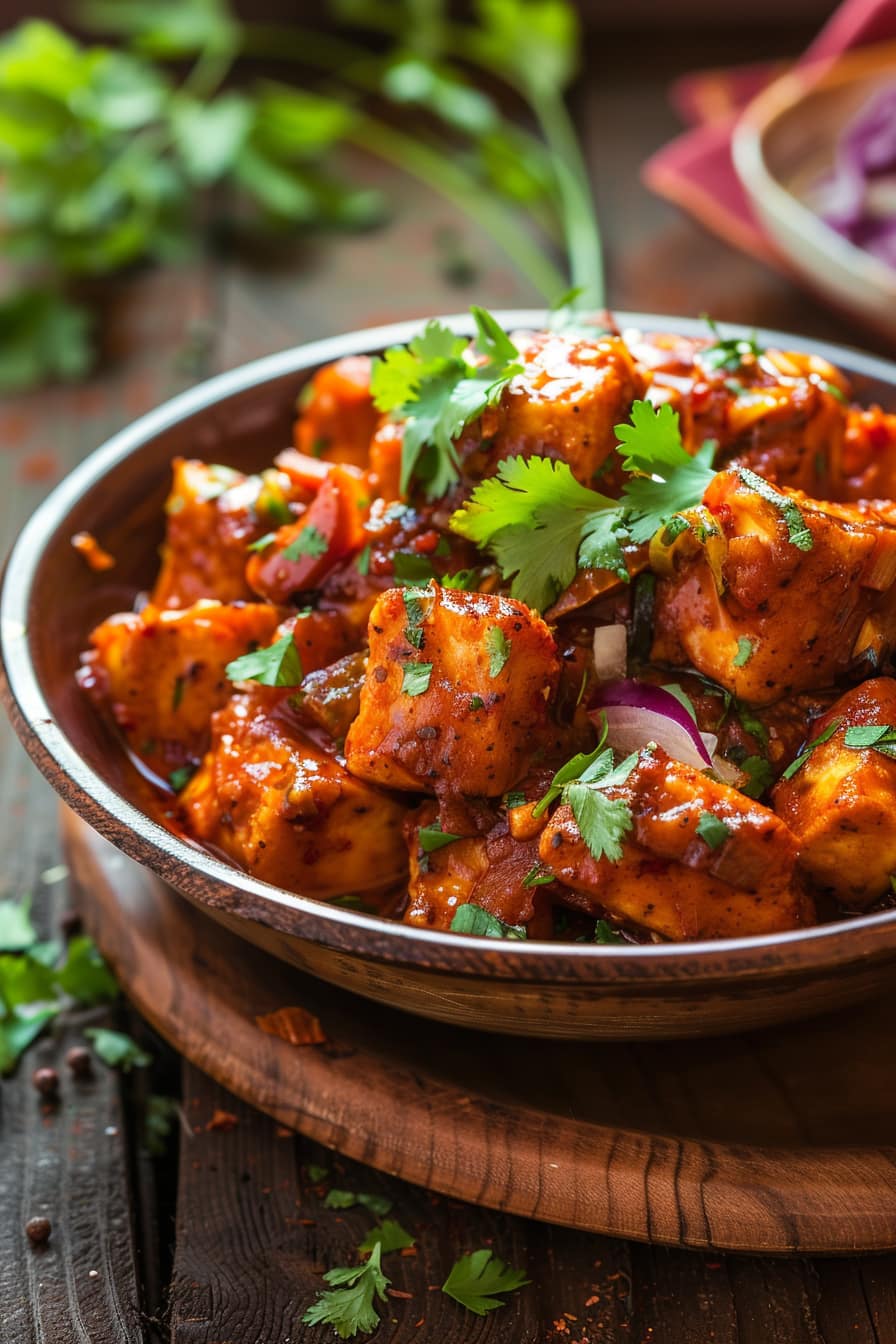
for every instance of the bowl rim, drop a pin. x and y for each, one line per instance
(217, 885)
(770, 106)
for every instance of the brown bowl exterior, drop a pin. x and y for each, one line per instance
(50, 600)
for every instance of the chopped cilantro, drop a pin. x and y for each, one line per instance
(651, 447)
(605, 933)
(833, 391)
(471, 918)
(310, 541)
(362, 564)
(414, 610)
(347, 1199)
(727, 352)
(465, 579)
(807, 752)
(759, 776)
(278, 665)
(349, 1305)
(713, 830)
(180, 778)
(84, 975)
(798, 533)
(538, 876)
(745, 650)
(514, 799)
(434, 386)
(317, 1174)
(603, 822)
(477, 703)
(412, 568)
(878, 736)
(498, 647)
(415, 678)
(433, 837)
(263, 542)
(475, 1279)
(177, 693)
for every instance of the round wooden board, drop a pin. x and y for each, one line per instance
(777, 1141)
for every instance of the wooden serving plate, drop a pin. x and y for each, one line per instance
(776, 1141)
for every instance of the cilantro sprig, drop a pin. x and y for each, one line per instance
(278, 665)
(433, 384)
(475, 1280)
(349, 1305)
(603, 822)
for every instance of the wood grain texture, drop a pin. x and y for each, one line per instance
(775, 1142)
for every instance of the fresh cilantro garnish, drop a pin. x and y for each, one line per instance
(476, 703)
(514, 799)
(465, 579)
(541, 525)
(278, 665)
(713, 830)
(750, 724)
(833, 391)
(475, 1279)
(389, 1236)
(808, 750)
(538, 876)
(310, 541)
(471, 918)
(84, 975)
(434, 386)
(603, 822)
(651, 447)
(16, 929)
(879, 736)
(180, 778)
(263, 542)
(415, 612)
(412, 568)
(605, 933)
(362, 564)
(117, 1050)
(349, 1305)
(498, 648)
(759, 776)
(433, 837)
(798, 534)
(727, 352)
(347, 1199)
(415, 678)
(745, 650)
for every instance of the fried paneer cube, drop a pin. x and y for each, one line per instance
(457, 685)
(337, 416)
(212, 515)
(701, 860)
(840, 802)
(788, 596)
(869, 454)
(287, 811)
(161, 673)
(489, 870)
(564, 404)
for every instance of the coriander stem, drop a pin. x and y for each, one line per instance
(462, 190)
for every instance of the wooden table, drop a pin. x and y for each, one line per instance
(220, 1241)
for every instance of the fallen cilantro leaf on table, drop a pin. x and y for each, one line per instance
(84, 975)
(475, 1279)
(16, 929)
(471, 918)
(42, 337)
(317, 1174)
(389, 1236)
(347, 1199)
(117, 1050)
(277, 665)
(18, 1028)
(349, 1305)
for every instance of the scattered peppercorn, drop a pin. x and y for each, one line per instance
(46, 1081)
(78, 1060)
(38, 1231)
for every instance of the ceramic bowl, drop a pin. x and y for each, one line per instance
(783, 144)
(49, 602)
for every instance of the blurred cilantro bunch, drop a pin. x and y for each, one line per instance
(116, 156)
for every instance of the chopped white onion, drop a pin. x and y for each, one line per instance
(610, 652)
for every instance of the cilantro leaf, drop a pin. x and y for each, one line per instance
(605, 933)
(602, 821)
(475, 1279)
(759, 776)
(538, 876)
(415, 611)
(24, 979)
(412, 568)
(310, 541)
(798, 533)
(316, 1174)
(389, 1236)
(16, 929)
(85, 975)
(19, 1028)
(117, 1050)
(713, 830)
(180, 778)
(878, 736)
(533, 517)
(278, 665)
(651, 446)
(471, 918)
(415, 678)
(727, 352)
(349, 1305)
(808, 750)
(745, 650)
(262, 543)
(498, 648)
(432, 837)
(437, 389)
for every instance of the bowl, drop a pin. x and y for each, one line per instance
(783, 143)
(50, 600)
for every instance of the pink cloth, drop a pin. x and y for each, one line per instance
(696, 170)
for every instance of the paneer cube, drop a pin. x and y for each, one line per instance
(840, 803)
(564, 404)
(337, 416)
(869, 454)
(161, 673)
(457, 686)
(766, 617)
(701, 860)
(287, 811)
(488, 870)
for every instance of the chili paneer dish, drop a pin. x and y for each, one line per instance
(569, 633)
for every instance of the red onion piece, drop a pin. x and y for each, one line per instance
(638, 713)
